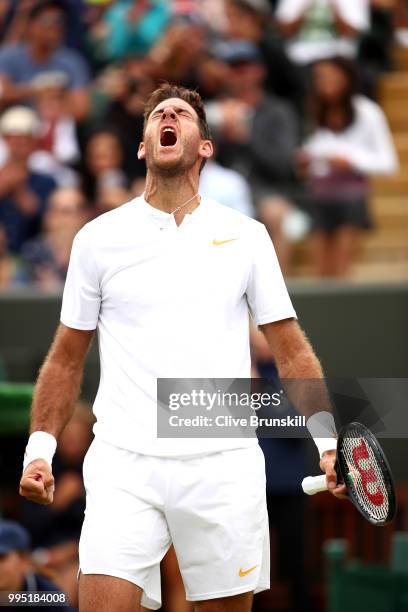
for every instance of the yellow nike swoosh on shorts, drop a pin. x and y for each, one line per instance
(218, 242)
(248, 571)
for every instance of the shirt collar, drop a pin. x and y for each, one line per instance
(162, 217)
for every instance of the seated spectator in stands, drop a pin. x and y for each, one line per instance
(350, 142)
(319, 29)
(257, 136)
(55, 529)
(45, 258)
(125, 113)
(16, 567)
(43, 51)
(129, 26)
(105, 183)
(23, 193)
(251, 20)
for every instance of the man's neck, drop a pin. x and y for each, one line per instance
(168, 193)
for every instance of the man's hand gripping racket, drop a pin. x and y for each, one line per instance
(362, 472)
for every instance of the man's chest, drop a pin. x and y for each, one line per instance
(177, 272)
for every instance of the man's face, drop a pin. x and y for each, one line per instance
(13, 567)
(20, 146)
(48, 27)
(172, 143)
(66, 212)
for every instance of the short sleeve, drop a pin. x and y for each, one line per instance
(267, 296)
(82, 298)
(356, 13)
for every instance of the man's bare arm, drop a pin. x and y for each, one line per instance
(55, 394)
(59, 381)
(303, 379)
(298, 365)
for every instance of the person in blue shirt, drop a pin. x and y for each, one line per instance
(23, 193)
(42, 52)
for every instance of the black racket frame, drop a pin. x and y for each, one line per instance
(342, 471)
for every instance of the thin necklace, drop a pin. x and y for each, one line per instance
(184, 204)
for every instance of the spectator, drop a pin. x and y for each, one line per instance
(43, 52)
(319, 29)
(350, 142)
(128, 26)
(17, 19)
(251, 20)
(46, 258)
(23, 193)
(257, 136)
(104, 181)
(16, 568)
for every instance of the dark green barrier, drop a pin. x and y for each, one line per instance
(362, 588)
(15, 401)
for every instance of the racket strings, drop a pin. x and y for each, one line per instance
(365, 476)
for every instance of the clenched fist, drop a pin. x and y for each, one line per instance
(37, 482)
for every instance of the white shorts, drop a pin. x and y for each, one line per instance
(212, 508)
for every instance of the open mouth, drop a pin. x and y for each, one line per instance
(168, 137)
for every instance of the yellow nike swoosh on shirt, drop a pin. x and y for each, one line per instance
(218, 242)
(246, 572)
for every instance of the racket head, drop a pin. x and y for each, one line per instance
(366, 473)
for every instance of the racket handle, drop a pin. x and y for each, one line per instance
(314, 484)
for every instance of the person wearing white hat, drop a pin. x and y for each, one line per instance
(23, 193)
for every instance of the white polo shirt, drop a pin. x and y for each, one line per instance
(169, 302)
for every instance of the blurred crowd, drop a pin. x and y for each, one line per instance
(290, 89)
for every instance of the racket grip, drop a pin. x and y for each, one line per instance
(314, 484)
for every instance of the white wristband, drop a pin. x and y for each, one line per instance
(41, 445)
(322, 428)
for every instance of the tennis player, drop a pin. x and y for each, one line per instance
(167, 280)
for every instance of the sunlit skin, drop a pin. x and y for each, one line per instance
(173, 171)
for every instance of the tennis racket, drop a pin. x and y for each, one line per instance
(362, 466)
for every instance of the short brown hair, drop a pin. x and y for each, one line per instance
(193, 98)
